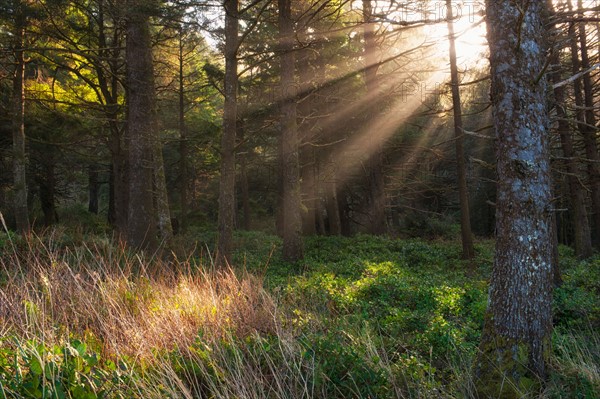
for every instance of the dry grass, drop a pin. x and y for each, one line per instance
(134, 306)
(199, 332)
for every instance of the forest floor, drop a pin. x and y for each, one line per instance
(363, 317)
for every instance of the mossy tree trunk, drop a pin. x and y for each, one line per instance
(515, 344)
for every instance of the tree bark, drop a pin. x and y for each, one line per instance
(244, 187)
(515, 344)
(581, 227)
(226, 218)
(377, 198)
(589, 131)
(307, 149)
(468, 251)
(18, 124)
(183, 143)
(109, 89)
(141, 126)
(293, 248)
(161, 199)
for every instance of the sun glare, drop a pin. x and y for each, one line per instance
(469, 32)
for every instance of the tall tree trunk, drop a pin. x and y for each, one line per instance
(590, 132)
(293, 248)
(227, 207)
(109, 88)
(468, 252)
(18, 125)
(377, 199)
(142, 218)
(583, 242)
(515, 343)
(183, 144)
(307, 149)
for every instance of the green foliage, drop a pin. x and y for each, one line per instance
(344, 368)
(577, 300)
(77, 219)
(422, 225)
(361, 317)
(33, 370)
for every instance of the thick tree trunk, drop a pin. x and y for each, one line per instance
(293, 248)
(18, 127)
(227, 206)
(515, 344)
(377, 198)
(142, 221)
(468, 252)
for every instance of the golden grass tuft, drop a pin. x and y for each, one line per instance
(133, 306)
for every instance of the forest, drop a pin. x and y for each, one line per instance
(315, 199)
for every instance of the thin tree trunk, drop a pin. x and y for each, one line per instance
(18, 126)
(468, 252)
(321, 230)
(109, 88)
(515, 343)
(307, 150)
(293, 248)
(331, 202)
(226, 219)
(163, 213)
(344, 210)
(583, 242)
(589, 130)
(93, 188)
(244, 187)
(377, 198)
(183, 144)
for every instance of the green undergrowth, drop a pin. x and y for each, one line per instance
(360, 317)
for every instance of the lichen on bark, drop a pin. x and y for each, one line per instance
(515, 342)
